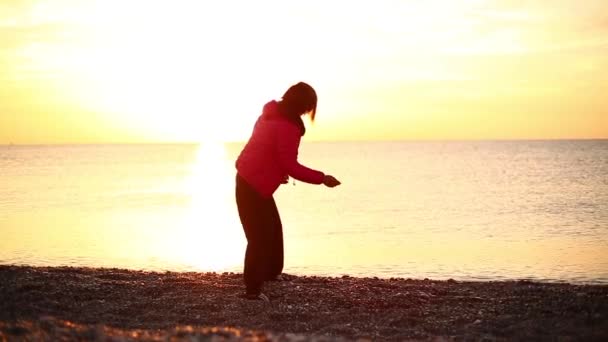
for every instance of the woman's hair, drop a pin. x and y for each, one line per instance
(300, 99)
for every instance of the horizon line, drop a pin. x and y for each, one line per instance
(310, 141)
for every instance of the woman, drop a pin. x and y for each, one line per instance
(268, 159)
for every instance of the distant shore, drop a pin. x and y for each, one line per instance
(98, 304)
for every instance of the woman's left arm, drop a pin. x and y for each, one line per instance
(288, 143)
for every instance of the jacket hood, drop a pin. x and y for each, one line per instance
(272, 111)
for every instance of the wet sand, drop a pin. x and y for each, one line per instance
(113, 304)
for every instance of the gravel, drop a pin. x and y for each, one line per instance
(64, 303)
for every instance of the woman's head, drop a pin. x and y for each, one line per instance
(300, 99)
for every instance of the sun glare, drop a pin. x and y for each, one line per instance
(209, 236)
(159, 74)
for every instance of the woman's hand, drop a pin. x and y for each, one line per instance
(330, 181)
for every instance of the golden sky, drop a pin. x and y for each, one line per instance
(84, 71)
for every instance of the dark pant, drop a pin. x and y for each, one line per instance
(262, 225)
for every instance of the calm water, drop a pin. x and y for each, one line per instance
(462, 210)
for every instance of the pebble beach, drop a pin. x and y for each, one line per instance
(65, 303)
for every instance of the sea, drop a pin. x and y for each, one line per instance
(463, 210)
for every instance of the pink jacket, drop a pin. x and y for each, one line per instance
(272, 153)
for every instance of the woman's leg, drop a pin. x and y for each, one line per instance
(276, 247)
(253, 212)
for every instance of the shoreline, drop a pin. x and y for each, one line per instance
(298, 273)
(98, 303)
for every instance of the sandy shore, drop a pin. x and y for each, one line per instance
(112, 304)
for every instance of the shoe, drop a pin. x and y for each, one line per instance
(257, 296)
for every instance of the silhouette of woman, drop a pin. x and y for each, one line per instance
(268, 160)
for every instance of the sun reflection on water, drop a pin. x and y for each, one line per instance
(209, 235)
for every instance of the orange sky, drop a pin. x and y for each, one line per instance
(145, 71)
